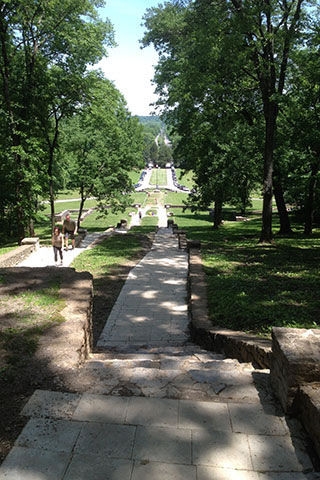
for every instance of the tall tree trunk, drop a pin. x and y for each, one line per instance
(270, 117)
(52, 146)
(51, 200)
(310, 199)
(285, 226)
(217, 215)
(83, 199)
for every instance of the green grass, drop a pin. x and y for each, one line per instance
(4, 250)
(28, 315)
(253, 287)
(134, 175)
(175, 198)
(158, 176)
(139, 197)
(109, 254)
(150, 220)
(61, 206)
(185, 180)
(67, 194)
(98, 223)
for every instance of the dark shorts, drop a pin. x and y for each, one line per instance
(69, 235)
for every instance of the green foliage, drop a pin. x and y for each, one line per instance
(46, 49)
(96, 142)
(222, 77)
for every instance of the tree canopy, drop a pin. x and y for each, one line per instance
(224, 72)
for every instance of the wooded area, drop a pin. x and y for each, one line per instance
(239, 83)
(62, 123)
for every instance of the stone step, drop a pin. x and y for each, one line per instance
(174, 350)
(179, 377)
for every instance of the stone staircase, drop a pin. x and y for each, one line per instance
(177, 372)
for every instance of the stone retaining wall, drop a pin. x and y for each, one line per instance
(307, 404)
(239, 345)
(16, 256)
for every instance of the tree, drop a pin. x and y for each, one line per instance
(38, 38)
(232, 55)
(102, 143)
(302, 114)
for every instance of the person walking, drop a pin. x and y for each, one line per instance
(69, 230)
(57, 243)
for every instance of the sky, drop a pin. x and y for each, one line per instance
(129, 67)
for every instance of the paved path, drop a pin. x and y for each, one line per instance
(151, 308)
(43, 257)
(153, 406)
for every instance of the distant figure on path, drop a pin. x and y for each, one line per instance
(57, 243)
(69, 229)
(140, 214)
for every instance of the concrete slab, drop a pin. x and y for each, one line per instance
(221, 449)
(51, 435)
(279, 454)
(253, 419)
(163, 445)
(51, 404)
(212, 473)
(100, 408)
(152, 412)
(206, 415)
(84, 467)
(112, 441)
(34, 464)
(163, 471)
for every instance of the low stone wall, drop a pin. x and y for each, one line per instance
(239, 345)
(307, 403)
(16, 256)
(295, 362)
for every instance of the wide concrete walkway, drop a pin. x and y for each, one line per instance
(151, 308)
(133, 433)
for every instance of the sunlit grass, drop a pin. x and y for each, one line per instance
(98, 222)
(253, 287)
(4, 250)
(111, 253)
(158, 176)
(186, 180)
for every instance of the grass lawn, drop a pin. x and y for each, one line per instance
(61, 206)
(158, 176)
(150, 220)
(98, 223)
(139, 197)
(175, 198)
(134, 175)
(109, 254)
(253, 287)
(186, 180)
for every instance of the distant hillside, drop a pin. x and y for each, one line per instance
(151, 124)
(150, 118)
